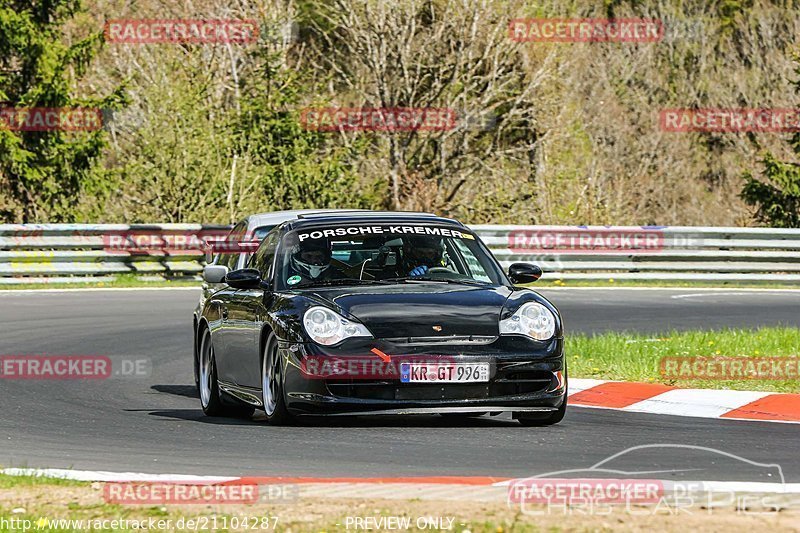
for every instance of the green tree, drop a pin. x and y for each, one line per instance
(42, 173)
(212, 146)
(298, 167)
(778, 199)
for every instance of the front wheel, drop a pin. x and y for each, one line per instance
(542, 419)
(272, 386)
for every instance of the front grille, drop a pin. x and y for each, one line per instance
(455, 340)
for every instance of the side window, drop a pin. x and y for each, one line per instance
(257, 235)
(265, 256)
(229, 259)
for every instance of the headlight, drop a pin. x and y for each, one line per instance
(327, 328)
(532, 320)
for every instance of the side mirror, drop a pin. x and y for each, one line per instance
(524, 273)
(244, 278)
(214, 273)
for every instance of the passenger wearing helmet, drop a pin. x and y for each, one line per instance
(311, 260)
(421, 253)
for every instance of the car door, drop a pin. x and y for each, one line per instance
(244, 318)
(220, 297)
(217, 311)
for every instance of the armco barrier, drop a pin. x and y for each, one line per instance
(651, 252)
(51, 253)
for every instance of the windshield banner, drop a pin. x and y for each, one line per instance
(385, 230)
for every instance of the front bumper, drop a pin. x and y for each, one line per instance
(524, 376)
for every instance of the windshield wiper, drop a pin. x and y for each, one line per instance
(441, 280)
(341, 281)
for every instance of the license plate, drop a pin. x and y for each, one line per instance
(444, 373)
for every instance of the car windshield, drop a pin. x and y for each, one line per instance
(382, 254)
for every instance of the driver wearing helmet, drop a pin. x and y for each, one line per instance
(421, 253)
(311, 259)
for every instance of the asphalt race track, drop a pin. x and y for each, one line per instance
(154, 424)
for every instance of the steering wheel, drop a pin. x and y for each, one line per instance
(434, 270)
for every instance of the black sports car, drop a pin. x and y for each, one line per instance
(379, 313)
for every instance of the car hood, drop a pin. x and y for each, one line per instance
(421, 309)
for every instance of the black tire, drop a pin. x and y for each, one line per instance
(272, 394)
(542, 419)
(212, 400)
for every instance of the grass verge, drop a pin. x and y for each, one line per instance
(632, 357)
(10, 482)
(119, 282)
(39, 507)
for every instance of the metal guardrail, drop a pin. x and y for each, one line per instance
(52, 253)
(56, 253)
(683, 253)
